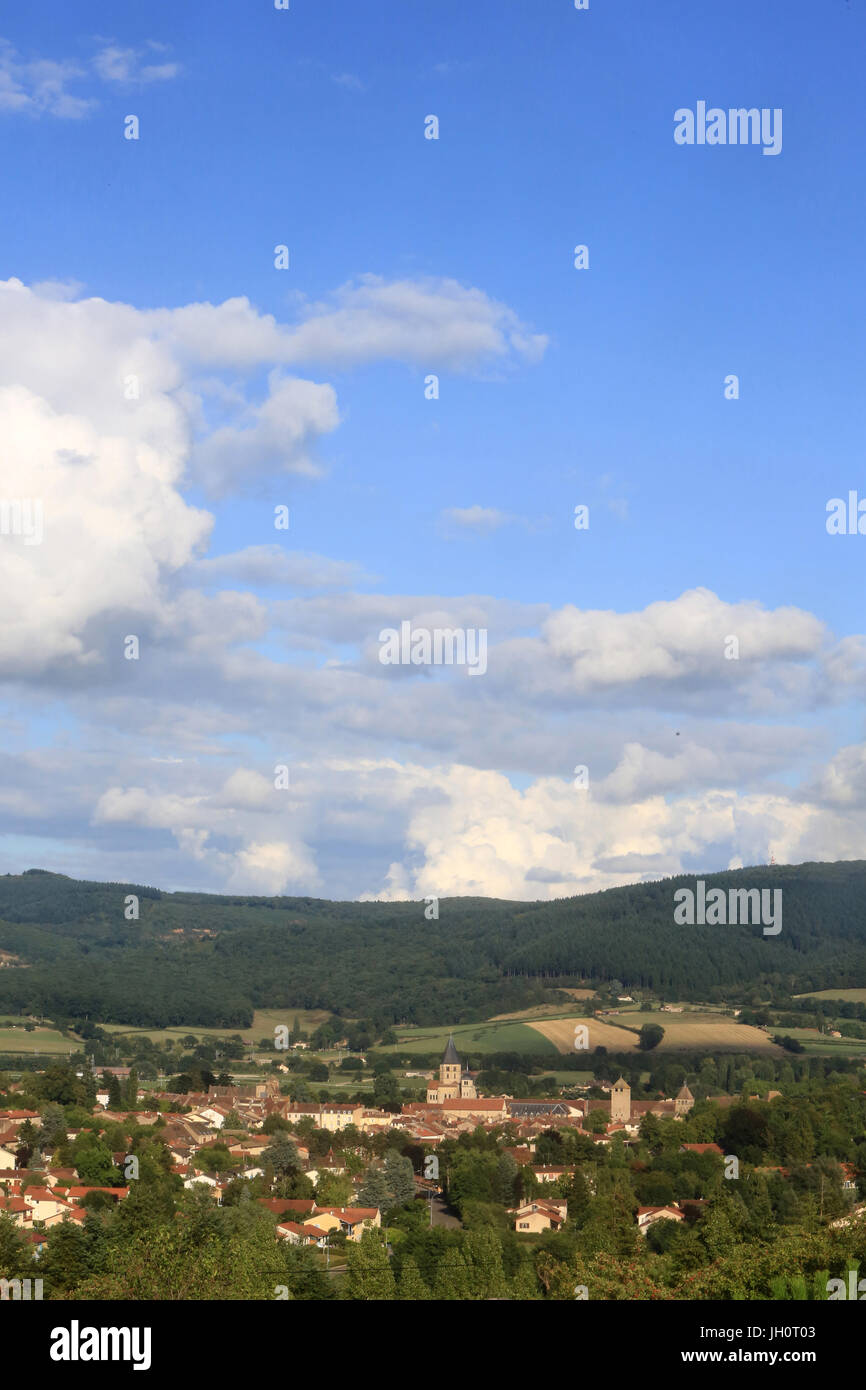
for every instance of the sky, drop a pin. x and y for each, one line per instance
(426, 392)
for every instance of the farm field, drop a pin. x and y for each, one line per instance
(848, 996)
(42, 1040)
(683, 1032)
(560, 1033)
(263, 1025)
(537, 1011)
(819, 1045)
(495, 1036)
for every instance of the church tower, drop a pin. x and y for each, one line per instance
(454, 1083)
(620, 1103)
(683, 1101)
(449, 1070)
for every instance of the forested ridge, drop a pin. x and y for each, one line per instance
(211, 959)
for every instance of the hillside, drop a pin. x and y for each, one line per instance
(207, 959)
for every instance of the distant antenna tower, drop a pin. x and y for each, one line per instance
(772, 859)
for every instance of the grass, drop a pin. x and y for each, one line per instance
(495, 1036)
(42, 1040)
(849, 996)
(568, 1078)
(819, 1045)
(263, 1025)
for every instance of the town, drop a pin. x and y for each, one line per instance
(113, 1188)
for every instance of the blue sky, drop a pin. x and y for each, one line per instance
(557, 387)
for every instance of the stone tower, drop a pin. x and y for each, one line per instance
(683, 1101)
(450, 1069)
(620, 1103)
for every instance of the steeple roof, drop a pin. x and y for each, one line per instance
(684, 1093)
(450, 1055)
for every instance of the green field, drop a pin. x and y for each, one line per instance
(472, 1038)
(263, 1025)
(849, 996)
(568, 1078)
(46, 1040)
(819, 1045)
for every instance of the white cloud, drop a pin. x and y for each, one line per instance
(44, 86)
(124, 66)
(268, 565)
(476, 518)
(278, 435)
(349, 81)
(430, 323)
(405, 770)
(40, 86)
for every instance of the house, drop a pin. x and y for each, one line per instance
(334, 1116)
(849, 1177)
(17, 1210)
(198, 1178)
(289, 1206)
(493, 1108)
(550, 1174)
(529, 1109)
(46, 1205)
(647, 1216)
(353, 1220)
(14, 1119)
(296, 1233)
(536, 1216)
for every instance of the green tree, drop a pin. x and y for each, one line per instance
(374, 1190)
(115, 1095)
(452, 1282)
(410, 1286)
(650, 1036)
(14, 1256)
(483, 1256)
(282, 1156)
(369, 1276)
(400, 1179)
(524, 1285)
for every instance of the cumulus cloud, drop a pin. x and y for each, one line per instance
(241, 813)
(677, 639)
(277, 435)
(125, 66)
(271, 565)
(104, 424)
(402, 783)
(51, 87)
(40, 86)
(435, 323)
(481, 519)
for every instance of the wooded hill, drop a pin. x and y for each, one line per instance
(195, 958)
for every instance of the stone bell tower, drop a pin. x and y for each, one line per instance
(620, 1103)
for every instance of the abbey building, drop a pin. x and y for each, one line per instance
(454, 1083)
